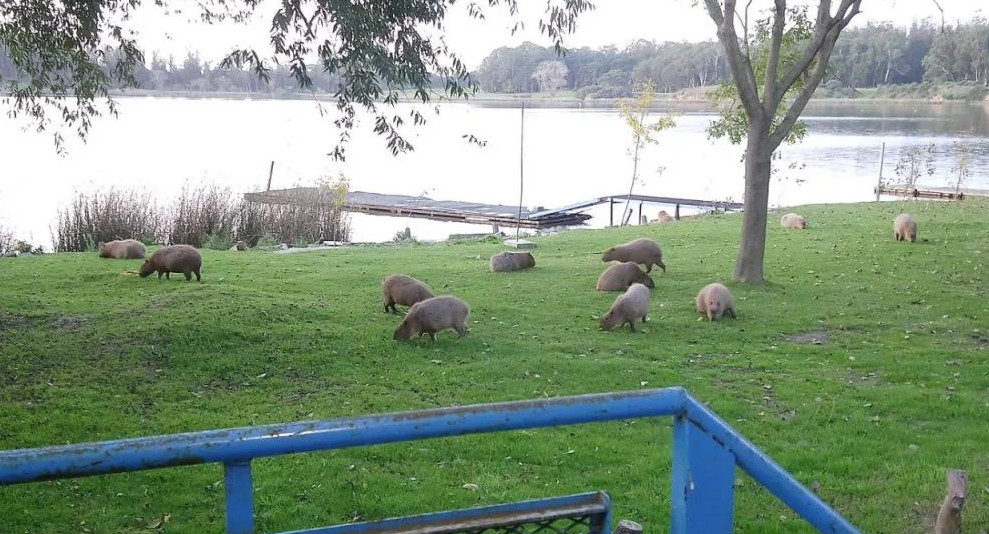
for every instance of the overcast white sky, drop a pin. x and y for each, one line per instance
(616, 22)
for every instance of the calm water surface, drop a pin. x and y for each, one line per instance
(570, 155)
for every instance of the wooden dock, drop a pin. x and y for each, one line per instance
(939, 193)
(427, 208)
(472, 212)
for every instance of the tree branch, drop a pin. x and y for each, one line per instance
(780, 133)
(825, 23)
(739, 63)
(769, 84)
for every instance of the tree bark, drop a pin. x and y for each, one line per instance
(758, 167)
(949, 517)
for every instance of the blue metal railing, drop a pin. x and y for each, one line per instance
(705, 452)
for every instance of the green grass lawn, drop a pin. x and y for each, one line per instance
(897, 392)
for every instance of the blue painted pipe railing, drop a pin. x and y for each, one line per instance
(705, 452)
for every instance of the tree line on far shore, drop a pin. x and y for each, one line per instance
(875, 55)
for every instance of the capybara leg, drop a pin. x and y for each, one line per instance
(159, 275)
(390, 304)
(168, 275)
(198, 278)
(648, 267)
(188, 275)
(731, 311)
(643, 319)
(432, 336)
(631, 324)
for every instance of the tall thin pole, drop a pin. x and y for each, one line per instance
(882, 160)
(518, 224)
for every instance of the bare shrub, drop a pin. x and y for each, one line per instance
(6, 241)
(310, 215)
(107, 215)
(199, 213)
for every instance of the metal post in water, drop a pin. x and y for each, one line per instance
(882, 160)
(518, 224)
(271, 171)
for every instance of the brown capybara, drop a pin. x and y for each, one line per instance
(642, 250)
(174, 259)
(512, 261)
(664, 217)
(619, 277)
(792, 220)
(631, 305)
(404, 290)
(905, 228)
(714, 300)
(123, 249)
(434, 315)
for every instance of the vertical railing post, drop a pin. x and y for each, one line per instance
(703, 494)
(240, 497)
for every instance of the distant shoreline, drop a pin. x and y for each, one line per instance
(535, 100)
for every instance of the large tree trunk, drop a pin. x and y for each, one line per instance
(758, 166)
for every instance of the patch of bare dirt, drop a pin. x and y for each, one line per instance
(9, 321)
(69, 323)
(815, 337)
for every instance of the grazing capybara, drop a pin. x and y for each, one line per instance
(619, 277)
(905, 228)
(174, 259)
(714, 301)
(404, 290)
(642, 250)
(434, 315)
(631, 305)
(122, 249)
(792, 220)
(512, 261)
(664, 217)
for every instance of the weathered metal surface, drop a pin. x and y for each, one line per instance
(240, 497)
(943, 193)
(27, 465)
(703, 490)
(768, 473)
(705, 449)
(734, 206)
(591, 507)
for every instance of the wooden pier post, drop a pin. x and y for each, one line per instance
(677, 216)
(271, 171)
(882, 160)
(611, 209)
(640, 212)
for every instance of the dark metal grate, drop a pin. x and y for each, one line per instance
(563, 525)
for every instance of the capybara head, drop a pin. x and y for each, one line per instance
(715, 309)
(645, 280)
(404, 330)
(146, 269)
(609, 255)
(609, 321)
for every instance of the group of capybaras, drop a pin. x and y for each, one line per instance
(428, 314)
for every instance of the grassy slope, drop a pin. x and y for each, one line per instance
(88, 354)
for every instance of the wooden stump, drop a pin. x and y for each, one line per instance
(628, 527)
(949, 517)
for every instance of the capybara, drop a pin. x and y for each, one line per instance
(905, 228)
(404, 290)
(434, 315)
(123, 249)
(664, 217)
(714, 301)
(619, 277)
(631, 305)
(240, 245)
(792, 220)
(512, 261)
(642, 250)
(174, 259)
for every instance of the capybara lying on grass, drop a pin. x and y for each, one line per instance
(714, 301)
(664, 217)
(631, 305)
(512, 261)
(404, 290)
(792, 220)
(619, 277)
(434, 315)
(642, 250)
(905, 228)
(123, 249)
(174, 259)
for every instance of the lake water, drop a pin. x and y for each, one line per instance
(571, 155)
